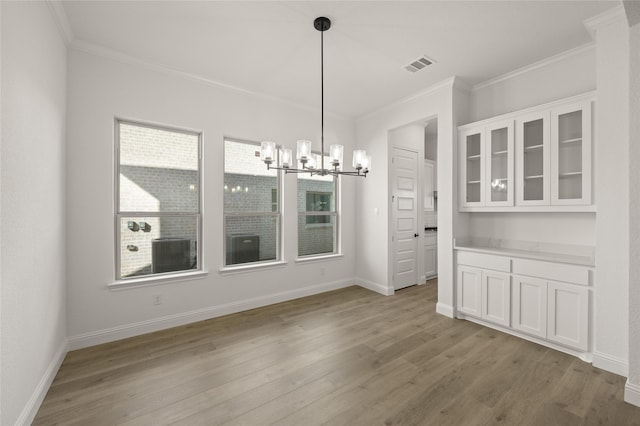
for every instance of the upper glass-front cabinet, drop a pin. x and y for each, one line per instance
(571, 164)
(473, 171)
(499, 164)
(533, 160)
(532, 141)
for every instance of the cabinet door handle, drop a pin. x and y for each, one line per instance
(416, 235)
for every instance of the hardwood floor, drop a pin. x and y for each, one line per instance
(348, 357)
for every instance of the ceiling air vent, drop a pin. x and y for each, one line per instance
(418, 64)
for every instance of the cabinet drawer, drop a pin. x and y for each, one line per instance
(485, 261)
(430, 240)
(552, 271)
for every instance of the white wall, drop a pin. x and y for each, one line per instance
(633, 14)
(568, 74)
(373, 230)
(101, 88)
(33, 207)
(555, 228)
(612, 187)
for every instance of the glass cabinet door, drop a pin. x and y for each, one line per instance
(499, 165)
(571, 159)
(473, 167)
(533, 159)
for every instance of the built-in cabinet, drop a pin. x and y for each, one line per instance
(430, 185)
(431, 255)
(546, 300)
(537, 157)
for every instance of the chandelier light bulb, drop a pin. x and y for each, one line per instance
(359, 157)
(304, 151)
(336, 153)
(267, 151)
(286, 158)
(366, 166)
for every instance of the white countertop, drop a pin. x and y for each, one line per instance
(545, 255)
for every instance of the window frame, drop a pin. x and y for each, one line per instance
(161, 276)
(271, 213)
(336, 218)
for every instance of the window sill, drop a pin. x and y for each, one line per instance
(319, 258)
(156, 280)
(228, 270)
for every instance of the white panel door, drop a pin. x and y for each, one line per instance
(568, 320)
(469, 289)
(530, 305)
(496, 297)
(404, 187)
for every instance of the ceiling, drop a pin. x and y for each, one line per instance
(272, 48)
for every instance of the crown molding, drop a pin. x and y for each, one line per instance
(536, 65)
(60, 17)
(117, 56)
(450, 83)
(605, 18)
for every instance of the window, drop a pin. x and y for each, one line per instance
(251, 206)
(317, 214)
(158, 213)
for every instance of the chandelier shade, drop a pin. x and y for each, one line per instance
(269, 151)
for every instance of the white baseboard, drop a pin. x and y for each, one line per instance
(33, 405)
(632, 393)
(610, 363)
(378, 288)
(129, 330)
(446, 310)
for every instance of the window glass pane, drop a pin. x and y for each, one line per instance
(316, 195)
(317, 236)
(152, 244)
(158, 170)
(251, 239)
(316, 232)
(248, 185)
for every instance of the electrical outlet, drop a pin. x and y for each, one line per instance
(157, 299)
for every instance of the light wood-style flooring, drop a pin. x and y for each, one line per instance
(347, 357)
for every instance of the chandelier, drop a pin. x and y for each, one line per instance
(269, 152)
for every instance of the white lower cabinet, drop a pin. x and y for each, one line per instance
(484, 294)
(530, 305)
(469, 290)
(568, 315)
(539, 306)
(496, 297)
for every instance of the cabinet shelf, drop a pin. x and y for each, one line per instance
(505, 152)
(533, 147)
(570, 174)
(473, 181)
(534, 177)
(473, 157)
(570, 141)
